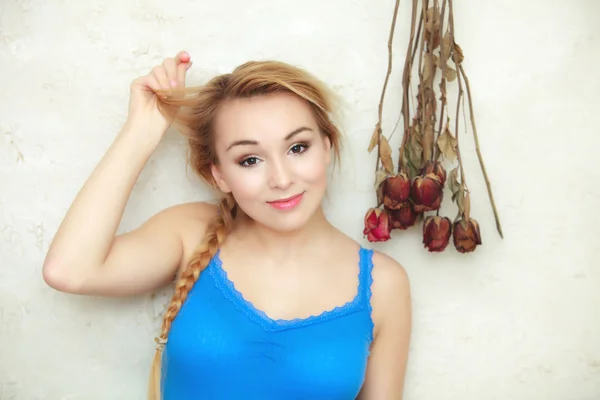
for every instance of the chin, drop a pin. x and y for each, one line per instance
(287, 221)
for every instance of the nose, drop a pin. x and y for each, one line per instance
(280, 176)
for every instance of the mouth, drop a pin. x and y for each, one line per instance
(287, 203)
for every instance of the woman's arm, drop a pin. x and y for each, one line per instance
(85, 257)
(392, 315)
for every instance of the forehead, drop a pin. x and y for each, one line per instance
(262, 118)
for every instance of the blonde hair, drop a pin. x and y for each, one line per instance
(193, 112)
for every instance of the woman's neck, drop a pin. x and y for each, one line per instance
(282, 245)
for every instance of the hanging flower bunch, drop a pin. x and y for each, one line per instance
(412, 194)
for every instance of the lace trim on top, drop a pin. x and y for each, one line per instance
(361, 301)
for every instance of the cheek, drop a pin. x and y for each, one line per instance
(314, 173)
(245, 184)
(312, 168)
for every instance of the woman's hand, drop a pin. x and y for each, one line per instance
(144, 114)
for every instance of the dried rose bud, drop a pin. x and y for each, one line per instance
(466, 236)
(436, 233)
(427, 192)
(377, 225)
(396, 190)
(437, 169)
(403, 217)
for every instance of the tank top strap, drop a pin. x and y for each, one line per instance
(365, 283)
(366, 275)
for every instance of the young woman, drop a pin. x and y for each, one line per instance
(271, 301)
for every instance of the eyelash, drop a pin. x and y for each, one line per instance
(244, 160)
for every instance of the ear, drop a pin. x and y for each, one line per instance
(218, 178)
(327, 142)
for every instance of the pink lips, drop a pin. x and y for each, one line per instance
(287, 204)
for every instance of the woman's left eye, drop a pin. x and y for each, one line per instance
(299, 148)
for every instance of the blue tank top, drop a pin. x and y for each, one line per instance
(221, 347)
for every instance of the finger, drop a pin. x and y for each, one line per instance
(161, 76)
(171, 71)
(153, 83)
(182, 72)
(182, 57)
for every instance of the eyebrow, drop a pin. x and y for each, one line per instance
(255, 143)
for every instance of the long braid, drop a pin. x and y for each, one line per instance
(215, 236)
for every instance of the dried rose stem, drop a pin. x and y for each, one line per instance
(479, 156)
(416, 46)
(421, 91)
(443, 79)
(408, 64)
(463, 180)
(414, 53)
(432, 78)
(412, 62)
(461, 71)
(387, 78)
(418, 34)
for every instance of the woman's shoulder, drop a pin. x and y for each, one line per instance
(390, 279)
(191, 220)
(188, 217)
(386, 268)
(194, 212)
(390, 290)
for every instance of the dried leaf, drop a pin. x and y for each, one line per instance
(432, 19)
(432, 27)
(447, 145)
(458, 54)
(453, 178)
(380, 176)
(385, 152)
(409, 167)
(415, 151)
(467, 205)
(415, 129)
(427, 141)
(450, 73)
(437, 39)
(429, 70)
(447, 45)
(459, 199)
(374, 139)
(432, 42)
(430, 104)
(457, 189)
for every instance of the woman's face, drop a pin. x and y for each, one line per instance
(272, 158)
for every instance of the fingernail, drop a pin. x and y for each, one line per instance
(189, 65)
(173, 83)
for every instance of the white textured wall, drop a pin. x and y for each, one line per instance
(518, 319)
